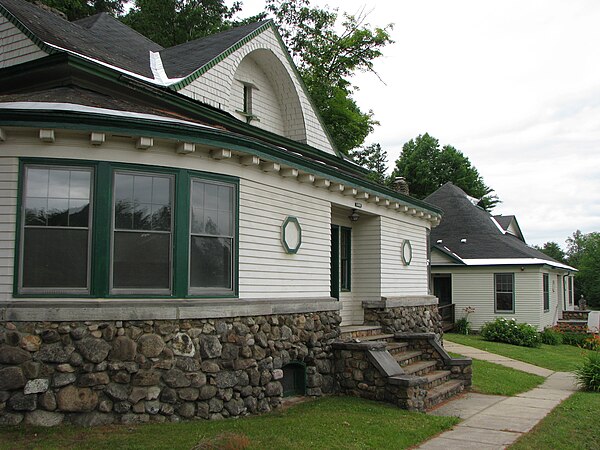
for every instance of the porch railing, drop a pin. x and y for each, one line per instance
(447, 313)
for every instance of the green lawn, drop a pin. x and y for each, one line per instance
(572, 425)
(564, 358)
(327, 423)
(494, 379)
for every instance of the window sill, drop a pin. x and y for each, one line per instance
(30, 310)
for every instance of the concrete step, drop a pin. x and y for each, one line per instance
(396, 347)
(420, 368)
(408, 357)
(358, 331)
(443, 392)
(437, 377)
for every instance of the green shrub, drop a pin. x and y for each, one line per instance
(588, 374)
(551, 337)
(575, 339)
(511, 332)
(462, 326)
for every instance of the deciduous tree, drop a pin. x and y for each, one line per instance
(426, 167)
(373, 158)
(78, 9)
(553, 250)
(583, 252)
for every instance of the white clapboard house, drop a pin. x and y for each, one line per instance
(481, 261)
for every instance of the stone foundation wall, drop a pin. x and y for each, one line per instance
(406, 319)
(93, 373)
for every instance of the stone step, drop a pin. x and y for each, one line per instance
(443, 392)
(420, 368)
(407, 357)
(377, 337)
(358, 331)
(396, 347)
(437, 377)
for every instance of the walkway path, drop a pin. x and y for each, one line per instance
(493, 421)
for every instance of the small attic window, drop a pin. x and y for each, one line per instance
(247, 111)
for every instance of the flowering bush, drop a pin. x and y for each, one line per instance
(463, 326)
(592, 342)
(511, 332)
(588, 374)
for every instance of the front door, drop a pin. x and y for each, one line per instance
(442, 289)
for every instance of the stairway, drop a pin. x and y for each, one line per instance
(419, 365)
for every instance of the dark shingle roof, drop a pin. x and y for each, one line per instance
(504, 221)
(463, 220)
(102, 37)
(99, 38)
(183, 59)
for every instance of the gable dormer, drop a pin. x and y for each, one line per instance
(253, 79)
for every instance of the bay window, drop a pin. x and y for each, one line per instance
(102, 230)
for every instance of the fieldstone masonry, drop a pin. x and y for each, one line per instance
(94, 373)
(400, 315)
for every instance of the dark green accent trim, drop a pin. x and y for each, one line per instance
(100, 249)
(101, 244)
(406, 245)
(346, 243)
(213, 62)
(335, 261)
(204, 136)
(17, 23)
(291, 220)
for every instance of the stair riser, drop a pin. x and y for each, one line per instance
(396, 351)
(422, 372)
(437, 382)
(431, 402)
(406, 362)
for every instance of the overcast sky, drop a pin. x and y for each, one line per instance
(514, 85)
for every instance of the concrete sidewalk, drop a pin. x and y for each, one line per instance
(493, 421)
(475, 353)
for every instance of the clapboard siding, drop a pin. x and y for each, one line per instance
(9, 169)
(396, 278)
(15, 47)
(474, 287)
(438, 257)
(306, 272)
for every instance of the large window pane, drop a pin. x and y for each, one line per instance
(141, 260)
(504, 283)
(211, 262)
(56, 229)
(212, 233)
(55, 258)
(142, 238)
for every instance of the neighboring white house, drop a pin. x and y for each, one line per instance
(482, 261)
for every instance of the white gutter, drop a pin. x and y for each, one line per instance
(516, 262)
(45, 106)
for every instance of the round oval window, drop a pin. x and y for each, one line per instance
(406, 252)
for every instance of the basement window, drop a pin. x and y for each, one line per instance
(294, 379)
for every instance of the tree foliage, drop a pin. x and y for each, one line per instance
(373, 158)
(553, 250)
(78, 9)
(327, 59)
(173, 22)
(583, 252)
(426, 167)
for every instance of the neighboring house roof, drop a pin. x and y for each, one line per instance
(475, 236)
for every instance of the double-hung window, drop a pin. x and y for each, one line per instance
(345, 258)
(546, 283)
(101, 229)
(142, 233)
(211, 236)
(504, 292)
(56, 226)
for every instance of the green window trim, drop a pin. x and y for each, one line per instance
(546, 291)
(504, 283)
(102, 226)
(345, 259)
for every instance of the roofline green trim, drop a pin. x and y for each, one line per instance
(30, 34)
(182, 132)
(217, 59)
